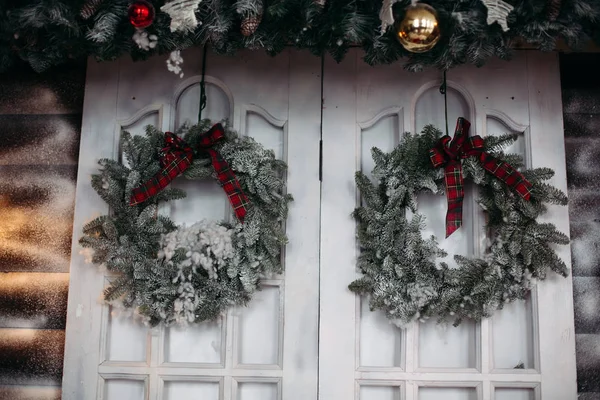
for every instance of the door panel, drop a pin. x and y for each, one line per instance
(362, 355)
(182, 390)
(124, 389)
(261, 352)
(196, 344)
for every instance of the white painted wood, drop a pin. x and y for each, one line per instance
(83, 310)
(337, 328)
(265, 351)
(380, 391)
(186, 100)
(120, 386)
(190, 390)
(300, 341)
(250, 389)
(258, 330)
(555, 295)
(363, 106)
(512, 337)
(517, 391)
(509, 340)
(452, 393)
(190, 371)
(442, 347)
(379, 344)
(198, 345)
(136, 349)
(501, 393)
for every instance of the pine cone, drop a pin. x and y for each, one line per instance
(553, 9)
(250, 24)
(90, 8)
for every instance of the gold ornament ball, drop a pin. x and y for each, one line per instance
(419, 31)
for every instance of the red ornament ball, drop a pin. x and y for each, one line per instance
(141, 14)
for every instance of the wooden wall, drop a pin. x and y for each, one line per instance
(581, 106)
(40, 123)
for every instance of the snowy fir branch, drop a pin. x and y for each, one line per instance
(50, 32)
(403, 274)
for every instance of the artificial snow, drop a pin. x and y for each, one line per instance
(207, 245)
(37, 219)
(586, 293)
(34, 140)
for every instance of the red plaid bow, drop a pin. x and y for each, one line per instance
(177, 156)
(448, 153)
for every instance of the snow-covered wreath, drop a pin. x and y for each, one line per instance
(403, 274)
(185, 274)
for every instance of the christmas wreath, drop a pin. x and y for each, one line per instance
(403, 273)
(185, 274)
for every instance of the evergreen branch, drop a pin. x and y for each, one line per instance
(51, 32)
(494, 144)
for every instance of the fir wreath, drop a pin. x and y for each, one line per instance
(402, 274)
(177, 274)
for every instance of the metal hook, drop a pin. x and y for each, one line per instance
(444, 91)
(443, 85)
(202, 85)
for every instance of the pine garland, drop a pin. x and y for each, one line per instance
(179, 275)
(50, 32)
(402, 274)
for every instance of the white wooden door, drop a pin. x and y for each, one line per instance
(364, 357)
(267, 351)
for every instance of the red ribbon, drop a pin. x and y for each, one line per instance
(177, 156)
(448, 154)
